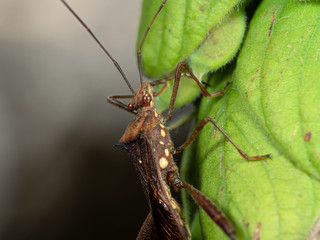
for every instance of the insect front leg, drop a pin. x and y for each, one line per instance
(199, 127)
(113, 99)
(177, 78)
(164, 82)
(147, 228)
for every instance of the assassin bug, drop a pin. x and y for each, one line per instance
(151, 150)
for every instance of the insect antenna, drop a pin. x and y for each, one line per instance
(100, 44)
(144, 38)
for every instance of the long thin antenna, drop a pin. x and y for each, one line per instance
(144, 38)
(100, 44)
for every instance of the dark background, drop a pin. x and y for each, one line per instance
(60, 177)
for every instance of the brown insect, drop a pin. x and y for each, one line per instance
(151, 150)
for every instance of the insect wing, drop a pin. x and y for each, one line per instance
(169, 221)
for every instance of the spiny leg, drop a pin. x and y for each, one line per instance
(199, 127)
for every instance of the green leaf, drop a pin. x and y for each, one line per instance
(272, 107)
(179, 29)
(206, 34)
(221, 44)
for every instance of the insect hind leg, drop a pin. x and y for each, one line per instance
(206, 204)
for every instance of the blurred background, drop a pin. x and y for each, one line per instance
(60, 176)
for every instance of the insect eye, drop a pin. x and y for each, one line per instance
(146, 99)
(130, 107)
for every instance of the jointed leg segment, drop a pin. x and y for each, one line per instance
(198, 128)
(113, 99)
(177, 78)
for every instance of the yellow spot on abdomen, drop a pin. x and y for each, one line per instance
(163, 162)
(163, 133)
(162, 126)
(166, 152)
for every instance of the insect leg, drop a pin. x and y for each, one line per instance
(164, 82)
(198, 128)
(208, 206)
(147, 228)
(192, 76)
(113, 99)
(211, 209)
(177, 78)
